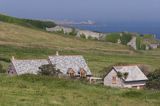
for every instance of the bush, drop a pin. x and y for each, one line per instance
(154, 80)
(125, 38)
(49, 70)
(83, 36)
(73, 33)
(138, 43)
(112, 37)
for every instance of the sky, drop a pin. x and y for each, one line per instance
(96, 10)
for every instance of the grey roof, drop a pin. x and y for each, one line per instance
(134, 73)
(65, 62)
(28, 66)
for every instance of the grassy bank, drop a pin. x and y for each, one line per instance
(47, 91)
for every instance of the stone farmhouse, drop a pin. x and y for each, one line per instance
(66, 30)
(134, 79)
(74, 66)
(86, 33)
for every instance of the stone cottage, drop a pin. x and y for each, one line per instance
(92, 34)
(74, 66)
(134, 78)
(66, 30)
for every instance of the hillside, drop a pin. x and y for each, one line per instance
(46, 91)
(25, 42)
(27, 22)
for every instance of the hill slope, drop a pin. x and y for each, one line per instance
(27, 22)
(25, 42)
(46, 91)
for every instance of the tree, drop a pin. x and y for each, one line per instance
(125, 75)
(119, 75)
(125, 38)
(49, 70)
(153, 80)
(73, 33)
(122, 75)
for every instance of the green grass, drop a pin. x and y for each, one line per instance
(27, 43)
(46, 91)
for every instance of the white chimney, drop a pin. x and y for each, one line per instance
(57, 54)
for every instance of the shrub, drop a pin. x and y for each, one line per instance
(125, 38)
(83, 36)
(138, 43)
(73, 33)
(154, 80)
(112, 37)
(49, 70)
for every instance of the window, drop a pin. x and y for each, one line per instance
(114, 80)
(82, 73)
(71, 72)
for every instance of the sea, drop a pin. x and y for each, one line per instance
(145, 28)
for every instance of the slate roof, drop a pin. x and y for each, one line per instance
(28, 66)
(134, 73)
(74, 62)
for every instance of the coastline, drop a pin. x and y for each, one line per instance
(120, 28)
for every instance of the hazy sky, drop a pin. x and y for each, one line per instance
(98, 10)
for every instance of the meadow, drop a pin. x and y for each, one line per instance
(29, 90)
(27, 43)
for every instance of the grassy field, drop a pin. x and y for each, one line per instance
(26, 43)
(23, 42)
(47, 91)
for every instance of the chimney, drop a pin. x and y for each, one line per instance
(13, 58)
(57, 54)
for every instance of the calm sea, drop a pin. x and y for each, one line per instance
(140, 28)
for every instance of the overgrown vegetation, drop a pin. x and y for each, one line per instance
(123, 37)
(49, 70)
(27, 22)
(113, 37)
(73, 33)
(29, 90)
(154, 80)
(138, 42)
